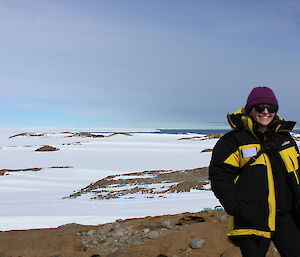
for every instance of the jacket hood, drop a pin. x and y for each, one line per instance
(239, 120)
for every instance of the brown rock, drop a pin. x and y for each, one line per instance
(47, 148)
(207, 150)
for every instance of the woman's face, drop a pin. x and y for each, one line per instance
(263, 118)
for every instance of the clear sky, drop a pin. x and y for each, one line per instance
(144, 63)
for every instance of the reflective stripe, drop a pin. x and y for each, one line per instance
(271, 196)
(245, 231)
(236, 159)
(296, 176)
(233, 159)
(289, 157)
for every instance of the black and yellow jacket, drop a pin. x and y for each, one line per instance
(255, 196)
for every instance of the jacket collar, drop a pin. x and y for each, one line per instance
(239, 120)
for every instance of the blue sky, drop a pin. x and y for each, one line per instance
(142, 63)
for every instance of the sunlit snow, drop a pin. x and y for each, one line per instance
(34, 199)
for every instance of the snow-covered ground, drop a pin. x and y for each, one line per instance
(31, 199)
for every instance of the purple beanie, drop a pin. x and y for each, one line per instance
(260, 95)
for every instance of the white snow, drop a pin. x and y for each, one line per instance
(32, 199)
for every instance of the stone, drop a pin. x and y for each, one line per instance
(116, 225)
(167, 224)
(120, 232)
(146, 230)
(91, 232)
(47, 148)
(197, 243)
(68, 225)
(223, 217)
(105, 228)
(129, 228)
(124, 238)
(153, 234)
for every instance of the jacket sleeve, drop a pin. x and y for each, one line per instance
(223, 170)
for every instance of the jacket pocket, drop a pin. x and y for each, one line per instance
(253, 205)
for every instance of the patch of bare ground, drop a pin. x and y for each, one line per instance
(215, 135)
(4, 171)
(86, 134)
(74, 143)
(206, 150)
(119, 133)
(203, 137)
(176, 133)
(192, 138)
(150, 184)
(47, 148)
(28, 134)
(60, 167)
(153, 236)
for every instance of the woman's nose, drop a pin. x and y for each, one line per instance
(266, 110)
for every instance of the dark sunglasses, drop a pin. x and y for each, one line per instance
(261, 107)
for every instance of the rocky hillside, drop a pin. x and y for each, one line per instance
(182, 235)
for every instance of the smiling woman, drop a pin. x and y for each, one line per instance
(254, 172)
(262, 106)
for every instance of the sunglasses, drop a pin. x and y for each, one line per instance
(261, 107)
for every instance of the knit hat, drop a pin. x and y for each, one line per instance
(260, 95)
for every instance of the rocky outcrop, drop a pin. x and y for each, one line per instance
(47, 148)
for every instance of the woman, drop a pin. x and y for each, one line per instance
(254, 174)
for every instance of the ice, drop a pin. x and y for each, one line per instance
(34, 199)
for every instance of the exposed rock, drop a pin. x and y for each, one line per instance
(116, 225)
(146, 230)
(91, 232)
(119, 133)
(167, 224)
(206, 150)
(47, 148)
(197, 243)
(60, 167)
(27, 134)
(103, 229)
(4, 171)
(86, 134)
(78, 241)
(153, 234)
(152, 184)
(68, 225)
(120, 232)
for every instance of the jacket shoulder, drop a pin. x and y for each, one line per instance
(226, 145)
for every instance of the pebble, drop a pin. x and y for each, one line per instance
(124, 238)
(223, 217)
(197, 243)
(105, 228)
(153, 234)
(146, 230)
(116, 225)
(91, 232)
(120, 232)
(167, 224)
